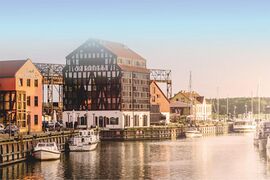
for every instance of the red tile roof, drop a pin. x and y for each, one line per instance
(120, 50)
(9, 68)
(133, 68)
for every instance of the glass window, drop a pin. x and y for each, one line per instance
(20, 82)
(36, 83)
(36, 100)
(28, 82)
(36, 119)
(28, 101)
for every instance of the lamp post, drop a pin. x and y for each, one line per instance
(29, 121)
(68, 113)
(94, 119)
(9, 120)
(86, 118)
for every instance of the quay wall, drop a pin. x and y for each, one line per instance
(157, 133)
(18, 148)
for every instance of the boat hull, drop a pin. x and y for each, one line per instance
(193, 135)
(46, 155)
(86, 147)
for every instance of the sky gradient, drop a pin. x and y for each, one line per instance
(225, 44)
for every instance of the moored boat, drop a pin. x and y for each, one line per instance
(86, 140)
(192, 133)
(244, 125)
(262, 132)
(46, 151)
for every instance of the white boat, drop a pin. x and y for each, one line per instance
(244, 125)
(192, 133)
(268, 147)
(46, 151)
(86, 140)
(262, 132)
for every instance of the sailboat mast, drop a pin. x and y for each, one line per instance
(259, 101)
(217, 103)
(227, 108)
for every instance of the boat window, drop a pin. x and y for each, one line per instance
(41, 145)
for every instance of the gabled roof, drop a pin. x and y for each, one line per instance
(120, 50)
(9, 68)
(154, 82)
(190, 96)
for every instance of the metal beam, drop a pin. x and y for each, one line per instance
(163, 76)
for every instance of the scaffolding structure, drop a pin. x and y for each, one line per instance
(163, 76)
(52, 80)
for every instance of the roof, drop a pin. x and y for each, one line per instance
(120, 50)
(10, 67)
(190, 96)
(179, 104)
(154, 82)
(133, 68)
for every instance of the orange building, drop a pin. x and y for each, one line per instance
(160, 105)
(21, 95)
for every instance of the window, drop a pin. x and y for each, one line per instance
(136, 120)
(20, 82)
(36, 82)
(114, 121)
(36, 119)
(145, 121)
(28, 101)
(28, 82)
(36, 100)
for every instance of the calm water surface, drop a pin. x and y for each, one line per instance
(213, 157)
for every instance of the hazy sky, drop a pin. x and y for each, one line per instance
(225, 44)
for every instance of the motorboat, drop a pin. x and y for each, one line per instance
(268, 147)
(244, 125)
(261, 135)
(46, 151)
(192, 133)
(86, 140)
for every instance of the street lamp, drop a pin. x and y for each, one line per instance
(9, 120)
(68, 113)
(29, 121)
(94, 119)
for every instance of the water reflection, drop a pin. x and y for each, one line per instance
(216, 157)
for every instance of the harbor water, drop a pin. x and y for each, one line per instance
(231, 156)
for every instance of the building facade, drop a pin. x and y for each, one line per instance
(160, 105)
(21, 95)
(191, 105)
(106, 84)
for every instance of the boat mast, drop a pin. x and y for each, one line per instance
(259, 101)
(190, 95)
(218, 103)
(252, 104)
(227, 109)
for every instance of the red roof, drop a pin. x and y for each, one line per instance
(120, 50)
(9, 68)
(133, 68)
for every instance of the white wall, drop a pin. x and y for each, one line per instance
(116, 114)
(140, 114)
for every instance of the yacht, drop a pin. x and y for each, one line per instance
(86, 140)
(244, 125)
(261, 135)
(268, 147)
(46, 151)
(192, 133)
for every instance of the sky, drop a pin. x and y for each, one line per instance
(226, 44)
